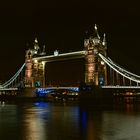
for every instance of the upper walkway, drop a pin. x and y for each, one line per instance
(63, 56)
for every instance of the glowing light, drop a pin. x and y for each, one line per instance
(95, 27)
(102, 63)
(36, 41)
(103, 43)
(35, 52)
(91, 68)
(56, 53)
(43, 63)
(35, 61)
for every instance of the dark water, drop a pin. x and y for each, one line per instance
(68, 121)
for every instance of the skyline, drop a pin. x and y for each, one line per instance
(64, 26)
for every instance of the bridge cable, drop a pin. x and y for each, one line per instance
(13, 78)
(110, 65)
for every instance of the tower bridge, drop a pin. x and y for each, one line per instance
(100, 70)
(95, 70)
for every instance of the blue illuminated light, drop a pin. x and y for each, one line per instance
(42, 92)
(41, 104)
(84, 119)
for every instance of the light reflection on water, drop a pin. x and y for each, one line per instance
(67, 121)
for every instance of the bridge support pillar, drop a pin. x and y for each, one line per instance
(39, 73)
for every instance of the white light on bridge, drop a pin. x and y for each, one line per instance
(35, 61)
(43, 63)
(56, 53)
(35, 52)
(102, 63)
(36, 41)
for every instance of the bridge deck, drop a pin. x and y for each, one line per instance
(57, 88)
(8, 89)
(121, 87)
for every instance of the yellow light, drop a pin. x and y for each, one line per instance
(102, 63)
(36, 41)
(35, 61)
(95, 27)
(43, 63)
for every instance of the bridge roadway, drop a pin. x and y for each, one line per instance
(58, 88)
(8, 89)
(77, 88)
(59, 57)
(120, 87)
(104, 88)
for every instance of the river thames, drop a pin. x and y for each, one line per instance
(41, 120)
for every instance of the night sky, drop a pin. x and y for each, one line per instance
(63, 25)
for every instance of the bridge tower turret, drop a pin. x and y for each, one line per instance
(95, 68)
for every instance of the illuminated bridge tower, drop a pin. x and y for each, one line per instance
(95, 68)
(28, 69)
(35, 70)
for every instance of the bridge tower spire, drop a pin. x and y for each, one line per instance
(104, 43)
(95, 69)
(96, 31)
(36, 46)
